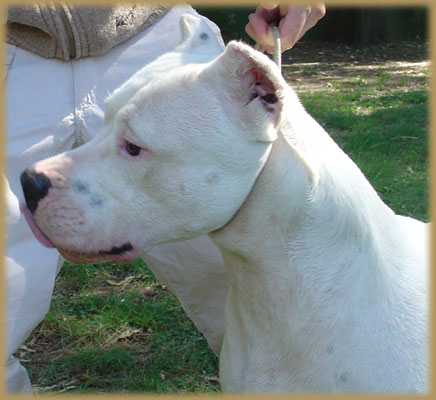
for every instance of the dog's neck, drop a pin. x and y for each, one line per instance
(290, 251)
(299, 211)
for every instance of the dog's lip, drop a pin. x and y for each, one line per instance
(37, 232)
(124, 253)
(75, 257)
(123, 256)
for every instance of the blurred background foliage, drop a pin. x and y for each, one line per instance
(355, 26)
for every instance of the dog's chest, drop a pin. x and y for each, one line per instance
(272, 354)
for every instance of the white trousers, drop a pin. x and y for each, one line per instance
(53, 106)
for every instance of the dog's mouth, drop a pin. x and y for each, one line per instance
(124, 253)
(123, 256)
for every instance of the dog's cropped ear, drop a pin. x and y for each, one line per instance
(198, 36)
(253, 81)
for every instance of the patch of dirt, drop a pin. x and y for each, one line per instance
(321, 51)
(315, 65)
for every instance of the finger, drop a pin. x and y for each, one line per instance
(308, 18)
(293, 26)
(314, 15)
(259, 30)
(268, 15)
(252, 34)
(269, 4)
(250, 31)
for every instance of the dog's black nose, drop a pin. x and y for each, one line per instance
(35, 187)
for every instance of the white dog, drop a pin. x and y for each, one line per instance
(328, 287)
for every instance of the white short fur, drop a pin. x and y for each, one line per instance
(328, 287)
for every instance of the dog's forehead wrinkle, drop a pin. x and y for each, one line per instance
(149, 110)
(162, 66)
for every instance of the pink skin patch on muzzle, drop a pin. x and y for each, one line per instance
(39, 234)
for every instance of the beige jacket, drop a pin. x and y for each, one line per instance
(67, 32)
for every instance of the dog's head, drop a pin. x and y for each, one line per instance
(182, 144)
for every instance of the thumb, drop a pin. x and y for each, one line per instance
(269, 4)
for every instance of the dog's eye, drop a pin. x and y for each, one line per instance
(132, 149)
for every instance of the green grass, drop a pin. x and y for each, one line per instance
(114, 328)
(385, 133)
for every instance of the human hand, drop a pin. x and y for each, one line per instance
(293, 22)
